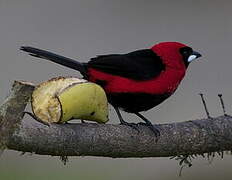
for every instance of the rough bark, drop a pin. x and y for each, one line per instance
(90, 139)
(12, 108)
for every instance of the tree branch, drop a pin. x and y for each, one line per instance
(12, 108)
(90, 139)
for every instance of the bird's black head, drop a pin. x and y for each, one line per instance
(188, 55)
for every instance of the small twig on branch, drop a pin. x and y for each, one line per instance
(108, 140)
(222, 104)
(204, 103)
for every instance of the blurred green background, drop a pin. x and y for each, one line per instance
(82, 29)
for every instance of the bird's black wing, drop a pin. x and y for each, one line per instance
(137, 65)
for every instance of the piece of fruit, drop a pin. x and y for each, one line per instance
(62, 99)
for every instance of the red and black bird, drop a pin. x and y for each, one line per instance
(135, 81)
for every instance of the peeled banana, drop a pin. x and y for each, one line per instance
(65, 98)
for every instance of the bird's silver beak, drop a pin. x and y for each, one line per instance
(193, 56)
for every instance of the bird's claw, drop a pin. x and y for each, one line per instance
(152, 128)
(133, 125)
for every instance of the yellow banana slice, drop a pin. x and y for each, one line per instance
(62, 99)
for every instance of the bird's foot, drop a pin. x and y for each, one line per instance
(147, 123)
(154, 129)
(133, 125)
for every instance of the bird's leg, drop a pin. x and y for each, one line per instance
(133, 125)
(148, 124)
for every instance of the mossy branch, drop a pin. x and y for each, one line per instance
(108, 140)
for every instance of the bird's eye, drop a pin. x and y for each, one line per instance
(185, 51)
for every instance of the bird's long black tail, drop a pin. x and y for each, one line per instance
(56, 58)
